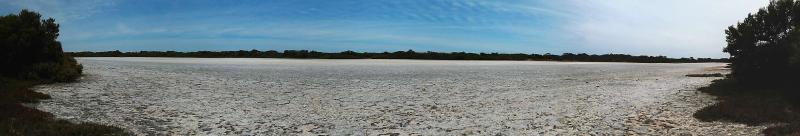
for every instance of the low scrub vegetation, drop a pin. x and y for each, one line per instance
(31, 55)
(740, 103)
(706, 75)
(18, 119)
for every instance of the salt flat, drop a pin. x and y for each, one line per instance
(216, 96)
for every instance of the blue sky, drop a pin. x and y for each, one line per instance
(675, 28)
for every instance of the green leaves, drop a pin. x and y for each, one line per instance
(763, 46)
(29, 49)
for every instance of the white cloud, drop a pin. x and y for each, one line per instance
(678, 28)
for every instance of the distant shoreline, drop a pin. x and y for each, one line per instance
(410, 55)
(312, 59)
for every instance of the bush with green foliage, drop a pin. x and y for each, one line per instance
(29, 49)
(765, 47)
(30, 55)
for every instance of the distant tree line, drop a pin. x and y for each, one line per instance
(765, 47)
(410, 54)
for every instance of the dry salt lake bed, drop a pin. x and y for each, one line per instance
(216, 96)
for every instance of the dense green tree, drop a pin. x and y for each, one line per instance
(29, 49)
(764, 47)
(31, 55)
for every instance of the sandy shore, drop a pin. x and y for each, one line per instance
(197, 96)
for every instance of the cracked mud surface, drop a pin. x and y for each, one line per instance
(200, 96)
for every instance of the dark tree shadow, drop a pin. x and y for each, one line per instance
(773, 106)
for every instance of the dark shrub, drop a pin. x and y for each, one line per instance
(30, 55)
(29, 49)
(764, 48)
(64, 71)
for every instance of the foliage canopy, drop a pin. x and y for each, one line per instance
(764, 48)
(29, 49)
